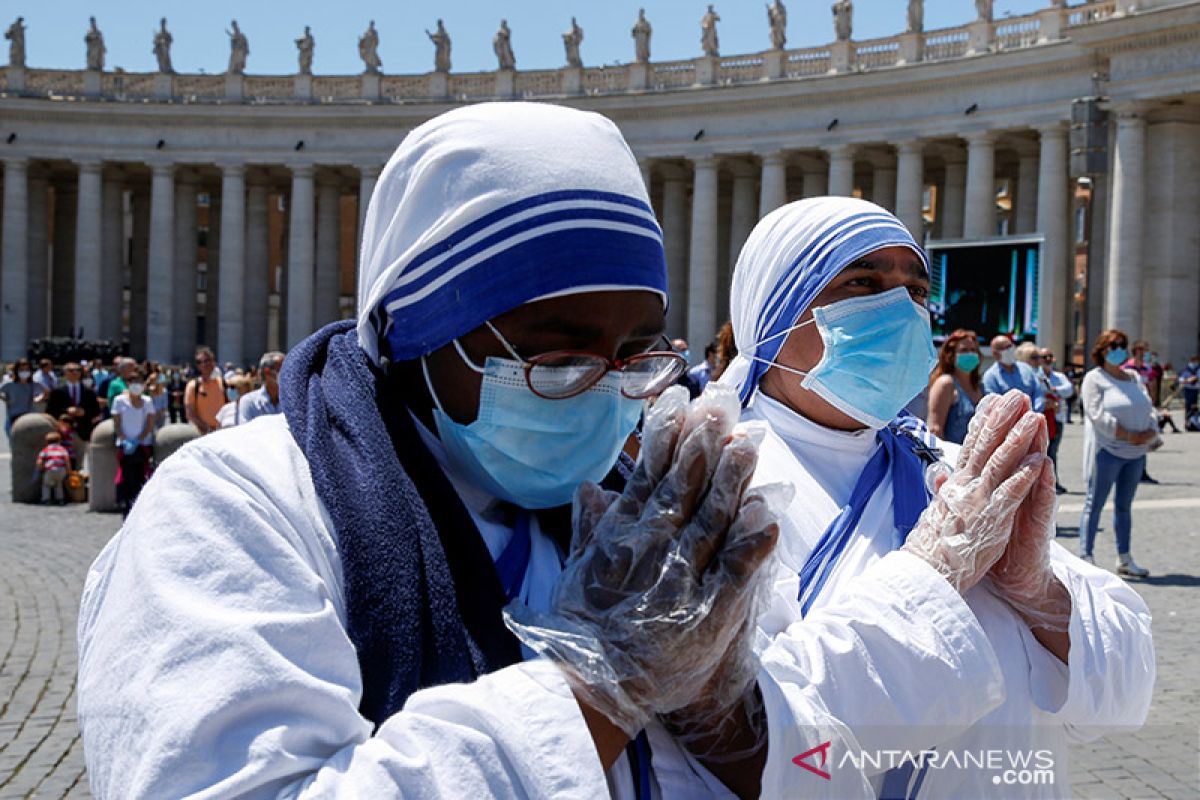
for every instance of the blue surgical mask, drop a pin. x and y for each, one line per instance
(966, 361)
(878, 355)
(1117, 356)
(531, 451)
(231, 394)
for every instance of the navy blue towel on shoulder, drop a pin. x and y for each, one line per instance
(422, 595)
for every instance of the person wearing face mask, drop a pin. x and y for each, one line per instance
(236, 390)
(1189, 383)
(1121, 427)
(314, 604)
(1008, 372)
(1057, 385)
(1030, 643)
(954, 389)
(19, 394)
(134, 421)
(264, 400)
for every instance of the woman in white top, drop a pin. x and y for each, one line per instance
(1121, 429)
(134, 419)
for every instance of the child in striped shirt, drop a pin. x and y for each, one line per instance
(53, 461)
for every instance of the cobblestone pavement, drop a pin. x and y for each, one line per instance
(46, 552)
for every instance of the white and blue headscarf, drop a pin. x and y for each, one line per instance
(491, 206)
(790, 256)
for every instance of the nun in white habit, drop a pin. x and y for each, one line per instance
(828, 311)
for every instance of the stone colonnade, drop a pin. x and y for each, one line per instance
(125, 253)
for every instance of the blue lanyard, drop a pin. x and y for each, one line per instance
(513, 563)
(511, 567)
(638, 754)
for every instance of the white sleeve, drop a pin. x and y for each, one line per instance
(214, 659)
(1109, 677)
(1062, 384)
(899, 619)
(1091, 397)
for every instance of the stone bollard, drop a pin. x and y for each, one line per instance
(170, 438)
(28, 438)
(102, 487)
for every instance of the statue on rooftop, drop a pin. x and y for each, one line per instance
(441, 47)
(843, 19)
(641, 37)
(305, 46)
(571, 41)
(368, 50)
(777, 19)
(239, 48)
(916, 16)
(162, 47)
(502, 45)
(16, 35)
(708, 33)
(984, 9)
(94, 40)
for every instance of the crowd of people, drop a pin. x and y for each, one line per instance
(140, 397)
(443, 573)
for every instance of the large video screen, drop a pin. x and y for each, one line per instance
(990, 287)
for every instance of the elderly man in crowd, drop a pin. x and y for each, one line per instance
(1009, 373)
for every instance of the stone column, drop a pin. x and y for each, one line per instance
(675, 243)
(112, 257)
(300, 256)
(139, 203)
(955, 197)
(646, 166)
(910, 187)
(774, 183)
(883, 189)
(744, 213)
(328, 283)
(37, 323)
(841, 170)
(232, 321)
(160, 266)
(368, 174)
(14, 269)
(258, 269)
(1053, 202)
(88, 274)
(815, 183)
(1027, 193)
(1123, 292)
(62, 275)
(702, 272)
(212, 269)
(183, 293)
(980, 217)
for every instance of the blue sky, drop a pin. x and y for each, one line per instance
(56, 29)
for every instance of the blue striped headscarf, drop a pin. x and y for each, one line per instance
(790, 256)
(491, 206)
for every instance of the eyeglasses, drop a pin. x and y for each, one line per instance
(561, 374)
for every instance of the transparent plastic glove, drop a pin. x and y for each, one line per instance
(660, 579)
(966, 527)
(1023, 575)
(726, 722)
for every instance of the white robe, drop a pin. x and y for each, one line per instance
(1025, 699)
(214, 660)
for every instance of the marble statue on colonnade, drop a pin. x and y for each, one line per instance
(843, 19)
(239, 48)
(641, 38)
(304, 47)
(94, 40)
(984, 9)
(162, 47)
(777, 19)
(16, 50)
(368, 50)
(571, 41)
(502, 45)
(916, 16)
(441, 47)
(708, 33)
